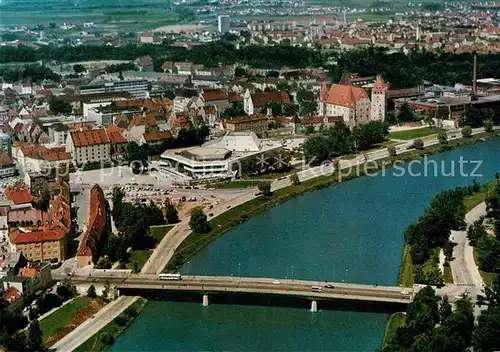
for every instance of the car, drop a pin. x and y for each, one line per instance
(404, 292)
(329, 286)
(276, 282)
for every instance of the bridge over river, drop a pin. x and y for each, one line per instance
(206, 286)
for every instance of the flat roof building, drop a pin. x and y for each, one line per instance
(222, 158)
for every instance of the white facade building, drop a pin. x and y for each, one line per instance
(223, 23)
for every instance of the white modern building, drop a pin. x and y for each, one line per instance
(137, 87)
(223, 23)
(222, 157)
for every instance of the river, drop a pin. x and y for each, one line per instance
(353, 230)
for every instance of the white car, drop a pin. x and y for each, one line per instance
(276, 282)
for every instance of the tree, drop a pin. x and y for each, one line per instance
(66, 290)
(91, 292)
(59, 106)
(406, 113)
(78, 68)
(265, 188)
(308, 108)
(198, 221)
(467, 131)
(442, 137)
(418, 144)
(488, 125)
(369, 134)
(272, 74)
(445, 309)
(472, 117)
(309, 130)
(240, 72)
(304, 95)
(294, 178)
(106, 338)
(235, 110)
(392, 151)
(106, 291)
(290, 109)
(35, 336)
(171, 214)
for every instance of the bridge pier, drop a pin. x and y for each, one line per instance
(205, 301)
(314, 306)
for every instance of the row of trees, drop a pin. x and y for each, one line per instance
(488, 247)
(35, 73)
(209, 54)
(133, 222)
(433, 326)
(433, 229)
(454, 327)
(339, 140)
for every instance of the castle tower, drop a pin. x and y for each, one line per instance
(379, 100)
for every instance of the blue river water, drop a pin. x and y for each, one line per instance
(352, 231)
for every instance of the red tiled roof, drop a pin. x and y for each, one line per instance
(89, 137)
(11, 294)
(96, 223)
(18, 196)
(215, 94)
(39, 236)
(141, 120)
(167, 65)
(27, 272)
(260, 99)
(156, 136)
(115, 134)
(346, 96)
(144, 61)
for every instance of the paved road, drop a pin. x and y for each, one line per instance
(463, 267)
(86, 330)
(166, 248)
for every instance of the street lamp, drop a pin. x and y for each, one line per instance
(239, 270)
(346, 271)
(292, 273)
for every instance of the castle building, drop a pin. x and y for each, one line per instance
(352, 102)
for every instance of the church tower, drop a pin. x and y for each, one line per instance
(379, 100)
(323, 96)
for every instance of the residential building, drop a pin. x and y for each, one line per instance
(7, 166)
(58, 133)
(96, 232)
(40, 245)
(153, 136)
(256, 123)
(39, 158)
(3, 115)
(117, 139)
(145, 63)
(217, 98)
(223, 23)
(252, 103)
(87, 146)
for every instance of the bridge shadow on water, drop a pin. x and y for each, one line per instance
(248, 299)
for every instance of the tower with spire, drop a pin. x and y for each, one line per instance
(379, 100)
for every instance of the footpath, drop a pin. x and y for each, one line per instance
(85, 331)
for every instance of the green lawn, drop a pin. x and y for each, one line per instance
(447, 275)
(478, 197)
(406, 271)
(141, 256)
(114, 329)
(63, 316)
(159, 232)
(415, 133)
(396, 320)
(487, 276)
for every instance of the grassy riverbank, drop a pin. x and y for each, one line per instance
(243, 212)
(105, 337)
(64, 320)
(396, 320)
(414, 133)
